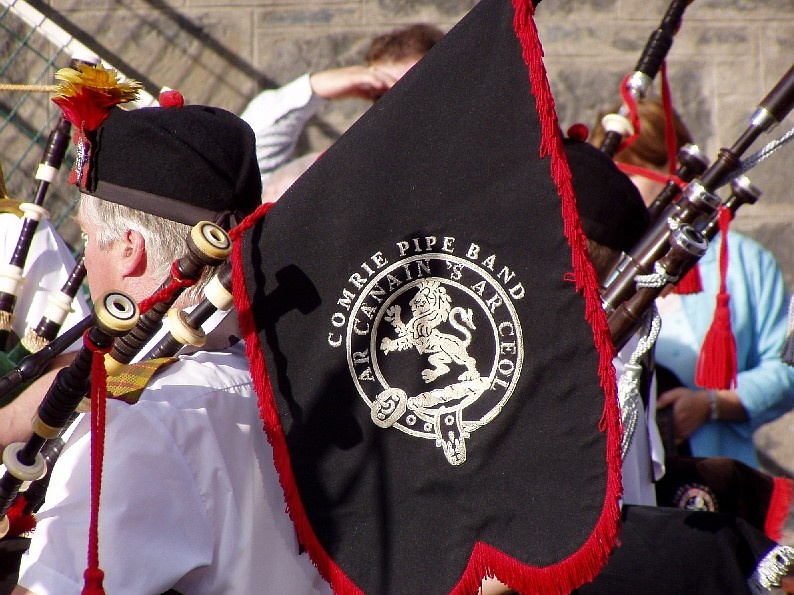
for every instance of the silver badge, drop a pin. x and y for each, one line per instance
(411, 336)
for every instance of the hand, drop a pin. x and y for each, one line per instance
(351, 82)
(691, 409)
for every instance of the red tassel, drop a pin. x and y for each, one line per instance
(716, 366)
(92, 582)
(19, 522)
(689, 283)
(779, 506)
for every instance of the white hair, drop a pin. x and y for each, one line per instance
(164, 239)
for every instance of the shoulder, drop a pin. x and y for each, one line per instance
(752, 258)
(746, 244)
(201, 373)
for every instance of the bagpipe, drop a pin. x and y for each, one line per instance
(114, 314)
(679, 235)
(684, 217)
(122, 330)
(429, 479)
(11, 273)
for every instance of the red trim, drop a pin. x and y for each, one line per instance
(328, 569)
(779, 508)
(586, 563)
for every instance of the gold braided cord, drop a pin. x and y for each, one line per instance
(20, 87)
(6, 318)
(32, 342)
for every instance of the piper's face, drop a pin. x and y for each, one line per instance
(101, 265)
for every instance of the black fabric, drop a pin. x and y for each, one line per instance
(667, 380)
(197, 156)
(610, 206)
(665, 551)
(718, 484)
(11, 550)
(438, 187)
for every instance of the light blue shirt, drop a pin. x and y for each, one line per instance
(758, 304)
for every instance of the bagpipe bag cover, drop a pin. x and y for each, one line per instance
(426, 338)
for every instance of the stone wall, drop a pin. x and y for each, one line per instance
(725, 58)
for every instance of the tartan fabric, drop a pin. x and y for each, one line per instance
(129, 385)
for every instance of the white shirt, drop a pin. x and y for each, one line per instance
(47, 267)
(190, 496)
(644, 460)
(278, 117)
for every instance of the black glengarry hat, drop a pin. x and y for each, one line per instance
(186, 164)
(610, 207)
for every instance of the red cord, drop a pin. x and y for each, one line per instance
(93, 575)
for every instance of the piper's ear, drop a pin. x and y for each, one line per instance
(132, 254)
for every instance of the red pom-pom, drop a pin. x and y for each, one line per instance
(171, 98)
(578, 132)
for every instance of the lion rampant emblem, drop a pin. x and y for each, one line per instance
(430, 307)
(455, 359)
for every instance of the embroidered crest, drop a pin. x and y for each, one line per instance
(695, 496)
(434, 346)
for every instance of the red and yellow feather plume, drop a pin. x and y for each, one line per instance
(88, 92)
(86, 96)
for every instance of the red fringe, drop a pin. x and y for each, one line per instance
(327, 568)
(19, 522)
(689, 283)
(716, 365)
(779, 508)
